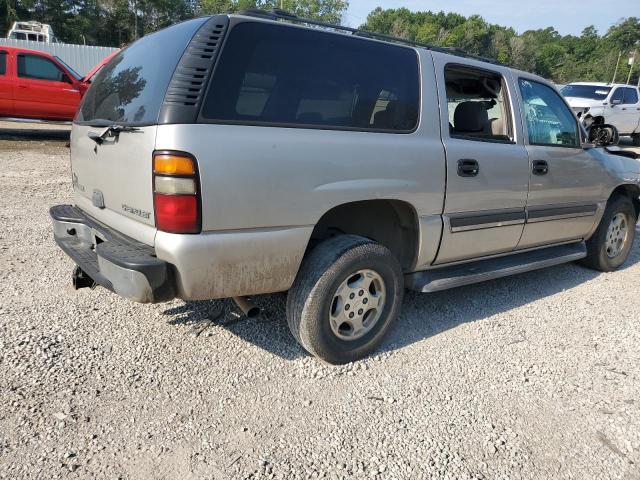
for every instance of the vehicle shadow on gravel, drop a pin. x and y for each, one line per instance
(34, 134)
(423, 315)
(426, 315)
(268, 331)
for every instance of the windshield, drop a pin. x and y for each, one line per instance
(76, 75)
(592, 92)
(130, 89)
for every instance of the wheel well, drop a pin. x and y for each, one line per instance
(598, 120)
(630, 191)
(393, 223)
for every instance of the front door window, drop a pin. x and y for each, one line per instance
(38, 68)
(549, 120)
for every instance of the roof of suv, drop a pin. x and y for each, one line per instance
(285, 18)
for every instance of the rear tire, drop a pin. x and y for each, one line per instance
(346, 296)
(636, 139)
(611, 243)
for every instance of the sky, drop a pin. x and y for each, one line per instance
(566, 16)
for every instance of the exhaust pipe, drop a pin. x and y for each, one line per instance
(249, 309)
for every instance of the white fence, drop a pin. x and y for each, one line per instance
(79, 57)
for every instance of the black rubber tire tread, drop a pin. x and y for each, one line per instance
(597, 258)
(636, 139)
(320, 273)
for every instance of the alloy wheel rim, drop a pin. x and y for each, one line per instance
(357, 305)
(617, 234)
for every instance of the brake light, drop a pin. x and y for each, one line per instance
(176, 196)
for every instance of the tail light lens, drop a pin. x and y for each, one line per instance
(176, 193)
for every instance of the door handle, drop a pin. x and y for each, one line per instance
(468, 167)
(540, 167)
(23, 86)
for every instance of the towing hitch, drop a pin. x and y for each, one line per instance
(80, 279)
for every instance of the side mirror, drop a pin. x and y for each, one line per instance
(602, 135)
(616, 101)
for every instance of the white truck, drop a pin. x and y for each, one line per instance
(32, 31)
(611, 103)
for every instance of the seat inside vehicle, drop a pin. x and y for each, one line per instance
(477, 104)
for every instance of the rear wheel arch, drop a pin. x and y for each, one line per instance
(392, 223)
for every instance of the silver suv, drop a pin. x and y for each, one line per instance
(247, 154)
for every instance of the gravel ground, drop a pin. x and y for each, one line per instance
(533, 377)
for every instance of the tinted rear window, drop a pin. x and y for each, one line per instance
(593, 92)
(274, 75)
(630, 95)
(131, 87)
(3, 63)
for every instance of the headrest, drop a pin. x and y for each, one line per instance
(470, 117)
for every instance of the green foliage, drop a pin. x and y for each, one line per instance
(326, 10)
(544, 51)
(119, 22)
(589, 56)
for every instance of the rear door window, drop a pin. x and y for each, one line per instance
(284, 76)
(3, 63)
(130, 89)
(38, 68)
(549, 121)
(630, 96)
(478, 104)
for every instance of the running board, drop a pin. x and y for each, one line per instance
(480, 271)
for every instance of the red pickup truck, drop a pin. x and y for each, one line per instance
(37, 85)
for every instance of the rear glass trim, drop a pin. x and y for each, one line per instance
(190, 80)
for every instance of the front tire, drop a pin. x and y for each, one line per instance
(345, 298)
(611, 243)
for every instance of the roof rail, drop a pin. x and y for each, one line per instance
(277, 14)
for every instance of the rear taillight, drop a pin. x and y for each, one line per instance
(176, 195)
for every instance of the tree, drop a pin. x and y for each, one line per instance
(589, 56)
(325, 10)
(625, 34)
(543, 51)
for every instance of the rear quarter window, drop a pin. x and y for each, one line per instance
(130, 89)
(284, 76)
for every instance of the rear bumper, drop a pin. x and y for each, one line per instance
(114, 261)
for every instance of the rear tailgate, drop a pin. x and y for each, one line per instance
(112, 182)
(112, 174)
